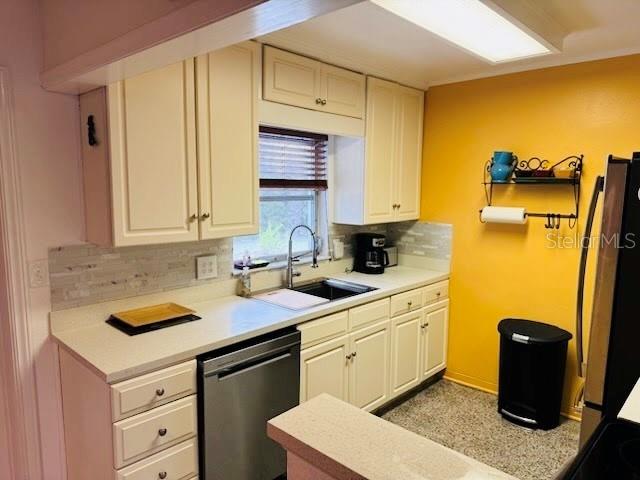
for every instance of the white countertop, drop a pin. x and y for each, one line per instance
(115, 356)
(349, 443)
(631, 408)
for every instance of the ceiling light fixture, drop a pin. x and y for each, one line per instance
(472, 25)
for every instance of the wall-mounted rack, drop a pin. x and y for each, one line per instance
(535, 172)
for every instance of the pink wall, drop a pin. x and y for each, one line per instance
(47, 129)
(5, 467)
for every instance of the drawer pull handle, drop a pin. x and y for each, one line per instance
(160, 392)
(162, 475)
(162, 432)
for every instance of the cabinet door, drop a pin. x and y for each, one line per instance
(228, 140)
(369, 366)
(342, 91)
(153, 156)
(380, 151)
(406, 342)
(435, 339)
(291, 79)
(323, 369)
(410, 107)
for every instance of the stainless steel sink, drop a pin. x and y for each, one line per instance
(332, 289)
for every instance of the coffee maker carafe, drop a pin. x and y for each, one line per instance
(370, 256)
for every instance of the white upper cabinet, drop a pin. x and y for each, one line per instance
(153, 156)
(342, 91)
(290, 78)
(228, 82)
(303, 82)
(179, 160)
(380, 152)
(377, 180)
(409, 115)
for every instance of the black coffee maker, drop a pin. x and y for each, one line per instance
(370, 256)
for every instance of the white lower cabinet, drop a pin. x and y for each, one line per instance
(151, 440)
(369, 366)
(323, 369)
(435, 338)
(406, 346)
(377, 358)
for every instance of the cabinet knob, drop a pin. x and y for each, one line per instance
(422, 326)
(162, 432)
(205, 216)
(437, 294)
(426, 324)
(349, 357)
(324, 102)
(409, 303)
(318, 101)
(193, 218)
(353, 354)
(160, 392)
(162, 475)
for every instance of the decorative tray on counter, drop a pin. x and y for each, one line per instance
(155, 317)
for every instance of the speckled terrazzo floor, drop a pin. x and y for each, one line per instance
(467, 421)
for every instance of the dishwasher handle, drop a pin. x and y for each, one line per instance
(246, 356)
(247, 366)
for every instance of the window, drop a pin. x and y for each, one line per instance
(293, 184)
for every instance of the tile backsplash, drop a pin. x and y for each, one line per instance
(422, 238)
(86, 274)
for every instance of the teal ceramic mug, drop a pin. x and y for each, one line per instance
(502, 166)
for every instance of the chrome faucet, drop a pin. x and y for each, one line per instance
(290, 258)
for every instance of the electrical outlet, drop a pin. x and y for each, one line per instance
(38, 273)
(207, 267)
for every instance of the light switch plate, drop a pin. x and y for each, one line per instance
(38, 273)
(206, 267)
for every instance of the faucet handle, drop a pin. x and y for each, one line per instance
(296, 273)
(314, 265)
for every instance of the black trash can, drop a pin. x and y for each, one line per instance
(533, 356)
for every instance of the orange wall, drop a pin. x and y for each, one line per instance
(501, 271)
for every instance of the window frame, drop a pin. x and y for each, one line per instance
(318, 189)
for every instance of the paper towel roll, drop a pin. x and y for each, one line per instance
(503, 215)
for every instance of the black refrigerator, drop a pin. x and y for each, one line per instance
(613, 362)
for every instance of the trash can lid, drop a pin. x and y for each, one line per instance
(533, 332)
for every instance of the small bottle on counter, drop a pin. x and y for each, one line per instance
(244, 283)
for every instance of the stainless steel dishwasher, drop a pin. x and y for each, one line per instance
(240, 387)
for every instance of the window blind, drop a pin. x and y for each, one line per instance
(292, 159)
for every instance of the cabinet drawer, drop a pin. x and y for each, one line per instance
(436, 292)
(406, 302)
(368, 313)
(155, 430)
(152, 390)
(322, 329)
(179, 463)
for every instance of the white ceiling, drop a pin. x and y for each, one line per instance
(369, 39)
